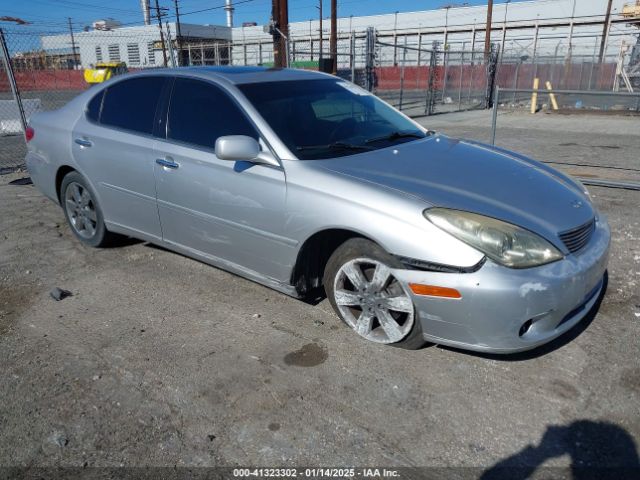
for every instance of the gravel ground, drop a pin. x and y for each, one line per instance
(159, 360)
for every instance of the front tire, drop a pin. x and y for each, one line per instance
(365, 294)
(82, 211)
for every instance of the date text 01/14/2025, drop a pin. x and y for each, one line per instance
(316, 472)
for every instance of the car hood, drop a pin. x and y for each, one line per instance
(452, 173)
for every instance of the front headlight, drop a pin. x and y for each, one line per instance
(503, 242)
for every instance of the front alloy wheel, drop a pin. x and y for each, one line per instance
(366, 295)
(372, 301)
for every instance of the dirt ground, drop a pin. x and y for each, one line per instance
(159, 360)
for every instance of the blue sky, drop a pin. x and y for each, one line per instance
(52, 14)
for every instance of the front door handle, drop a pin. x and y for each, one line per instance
(83, 142)
(167, 162)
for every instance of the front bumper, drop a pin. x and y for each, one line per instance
(497, 301)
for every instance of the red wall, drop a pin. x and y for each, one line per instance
(46, 80)
(388, 78)
(575, 76)
(572, 77)
(417, 78)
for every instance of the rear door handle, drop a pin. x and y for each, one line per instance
(83, 142)
(167, 162)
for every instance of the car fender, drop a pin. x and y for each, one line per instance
(319, 200)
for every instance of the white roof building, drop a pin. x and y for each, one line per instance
(138, 46)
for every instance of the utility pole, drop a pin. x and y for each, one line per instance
(446, 26)
(73, 45)
(605, 32)
(487, 35)
(280, 31)
(321, 40)
(178, 33)
(333, 39)
(283, 25)
(573, 15)
(504, 29)
(275, 14)
(164, 48)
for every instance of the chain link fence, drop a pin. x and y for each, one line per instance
(421, 81)
(415, 72)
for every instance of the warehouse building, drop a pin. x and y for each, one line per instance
(541, 28)
(141, 46)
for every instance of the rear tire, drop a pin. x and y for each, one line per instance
(82, 211)
(368, 298)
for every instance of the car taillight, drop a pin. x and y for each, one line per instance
(29, 133)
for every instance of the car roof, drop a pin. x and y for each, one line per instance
(241, 75)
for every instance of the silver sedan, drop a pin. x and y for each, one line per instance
(312, 186)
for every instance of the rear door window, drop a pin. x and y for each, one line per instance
(200, 112)
(131, 104)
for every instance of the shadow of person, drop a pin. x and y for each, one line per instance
(597, 450)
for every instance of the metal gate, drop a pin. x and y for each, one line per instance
(421, 81)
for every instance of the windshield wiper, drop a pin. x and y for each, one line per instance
(396, 135)
(333, 146)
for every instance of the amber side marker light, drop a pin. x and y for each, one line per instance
(433, 291)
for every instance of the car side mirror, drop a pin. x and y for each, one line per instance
(242, 148)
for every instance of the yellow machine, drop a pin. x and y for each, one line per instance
(104, 71)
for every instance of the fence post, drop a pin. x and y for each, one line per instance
(404, 59)
(352, 57)
(395, 48)
(287, 52)
(370, 58)
(492, 68)
(494, 116)
(460, 80)
(433, 60)
(515, 79)
(12, 81)
(445, 61)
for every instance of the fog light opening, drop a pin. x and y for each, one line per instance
(525, 327)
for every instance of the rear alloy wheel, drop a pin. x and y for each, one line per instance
(367, 296)
(83, 212)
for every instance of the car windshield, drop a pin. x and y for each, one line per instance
(328, 118)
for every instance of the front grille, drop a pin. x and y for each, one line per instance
(578, 237)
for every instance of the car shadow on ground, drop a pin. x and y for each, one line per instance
(122, 241)
(313, 297)
(596, 449)
(553, 345)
